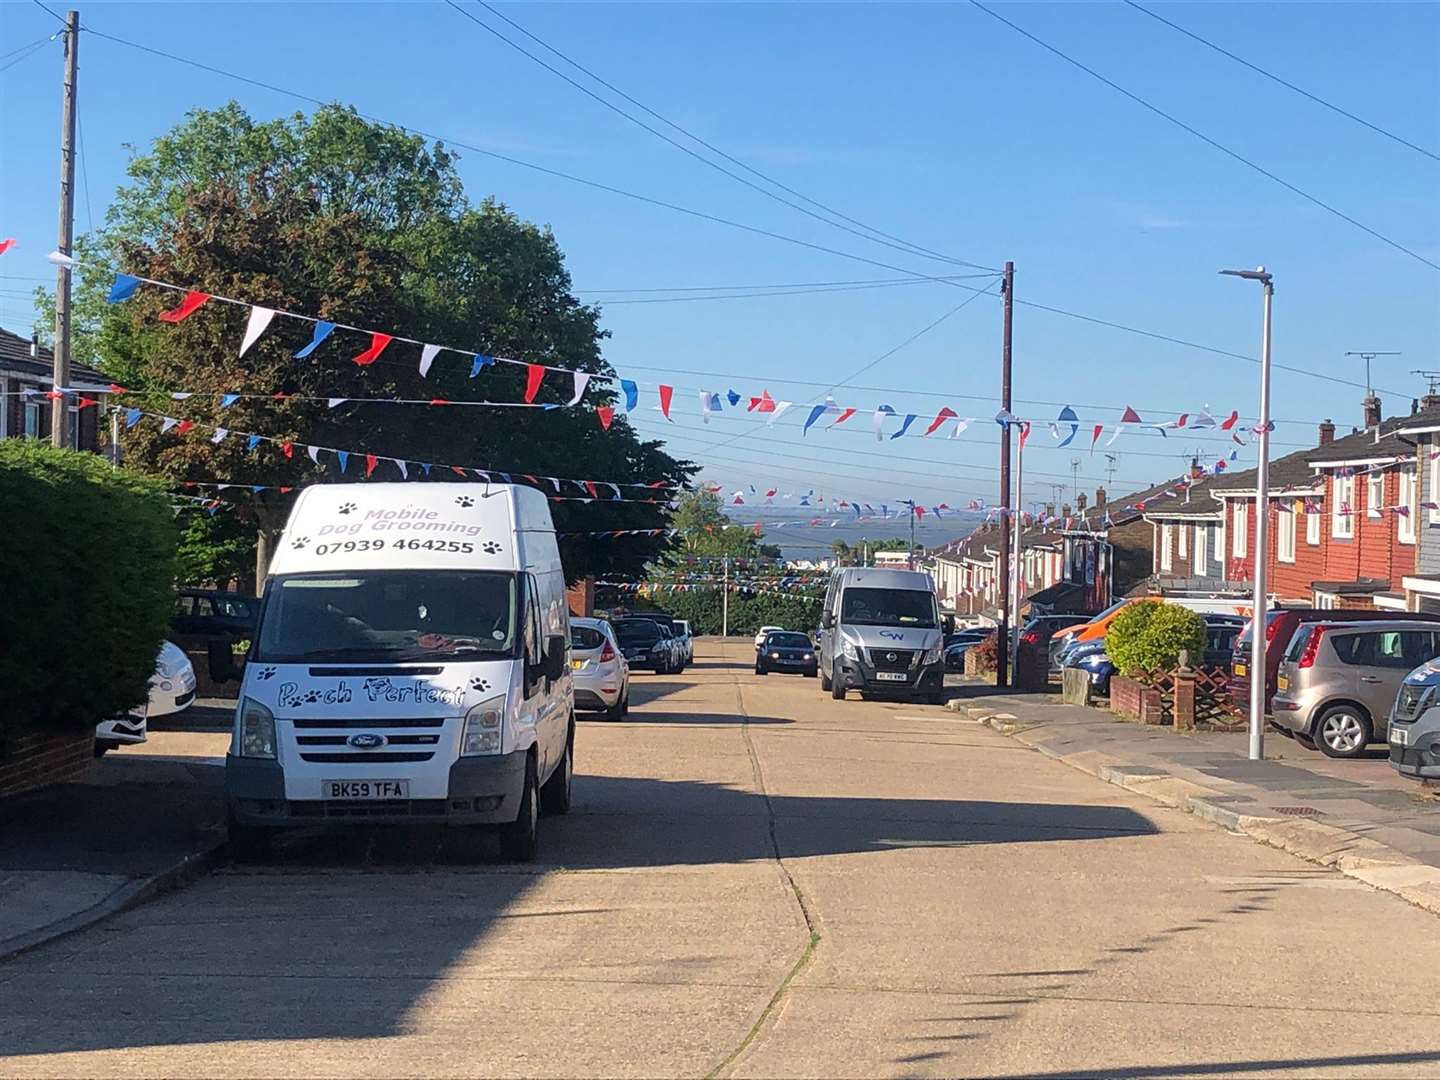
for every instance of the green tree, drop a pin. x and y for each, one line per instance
(702, 528)
(361, 224)
(217, 549)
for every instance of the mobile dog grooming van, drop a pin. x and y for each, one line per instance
(411, 666)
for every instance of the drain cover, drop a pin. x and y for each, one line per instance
(1299, 811)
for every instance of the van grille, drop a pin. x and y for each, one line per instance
(391, 740)
(881, 659)
(311, 723)
(361, 808)
(369, 757)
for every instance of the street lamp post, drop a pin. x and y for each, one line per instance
(1258, 640)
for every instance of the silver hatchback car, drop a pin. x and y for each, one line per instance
(1338, 681)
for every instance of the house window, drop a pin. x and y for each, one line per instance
(1342, 495)
(1220, 542)
(1166, 541)
(32, 419)
(1182, 539)
(1312, 524)
(1240, 543)
(1408, 510)
(1201, 565)
(72, 432)
(1285, 533)
(1375, 494)
(1324, 600)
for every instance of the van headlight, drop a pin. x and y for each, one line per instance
(482, 728)
(848, 648)
(934, 653)
(257, 730)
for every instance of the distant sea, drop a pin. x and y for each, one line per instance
(802, 541)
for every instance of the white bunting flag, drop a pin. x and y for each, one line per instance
(707, 406)
(168, 423)
(401, 466)
(219, 435)
(427, 357)
(780, 407)
(314, 452)
(337, 401)
(259, 319)
(961, 425)
(181, 397)
(880, 414)
(582, 380)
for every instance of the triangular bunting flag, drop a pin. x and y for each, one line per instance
(322, 331)
(666, 393)
(944, 414)
(378, 341)
(255, 326)
(123, 288)
(582, 380)
(427, 357)
(606, 416)
(370, 462)
(192, 303)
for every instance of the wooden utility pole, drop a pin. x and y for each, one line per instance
(59, 406)
(1002, 653)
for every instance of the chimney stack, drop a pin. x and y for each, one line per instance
(1327, 432)
(1080, 500)
(1372, 410)
(1049, 510)
(1099, 498)
(1430, 401)
(1065, 510)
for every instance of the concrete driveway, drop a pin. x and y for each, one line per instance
(758, 881)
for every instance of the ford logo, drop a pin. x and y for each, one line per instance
(366, 740)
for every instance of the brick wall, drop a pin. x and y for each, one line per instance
(581, 597)
(36, 760)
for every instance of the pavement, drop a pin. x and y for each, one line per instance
(1359, 816)
(759, 881)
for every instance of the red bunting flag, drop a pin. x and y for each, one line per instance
(533, 479)
(439, 401)
(192, 303)
(606, 415)
(590, 487)
(370, 462)
(1229, 421)
(288, 449)
(1130, 416)
(843, 417)
(86, 402)
(757, 528)
(286, 490)
(457, 470)
(666, 393)
(1024, 433)
(944, 414)
(1095, 436)
(116, 388)
(764, 403)
(534, 375)
(1184, 419)
(185, 425)
(378, 341)
(920, 510)
(6, 244)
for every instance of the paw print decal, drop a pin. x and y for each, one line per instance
(266, 673)
(348, 508)
(490, 547)
(299, 542)
(310, 699)
(464, 500)
(478, 683)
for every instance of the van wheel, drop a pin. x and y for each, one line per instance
(519, 840)
(825, 681)
(555, 795)
(837, 687)
(1342, 731)
(249, 843)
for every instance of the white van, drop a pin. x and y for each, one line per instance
(882, 634)
(411, 666)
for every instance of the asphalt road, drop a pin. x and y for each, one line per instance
(758, 881)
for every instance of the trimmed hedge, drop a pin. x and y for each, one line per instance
(1171, 630)
(1127, 631)
(87, 573)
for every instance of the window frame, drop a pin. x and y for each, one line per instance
(1432, 479)
(1201, 565)
(1312, 526)
(1167, 555)
(1375, 494)
(1408, 486)
(1342, 494)
(1285, 531)
(1239, 538)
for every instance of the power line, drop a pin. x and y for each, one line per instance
(776, 285)
(32, 45)
(85, 174)
(761, 295)
(50, 11)
(906, 245)
(25, 54)
(1206, 138)
(545, 170)
(1288, 85)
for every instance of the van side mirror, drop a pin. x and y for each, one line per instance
(554, 665)
(947, 624)
(220, 660)
(827, 620)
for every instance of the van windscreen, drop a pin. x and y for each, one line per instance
(888, 607)
(388, 616)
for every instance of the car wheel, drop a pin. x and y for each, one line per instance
(837, 687)
(759, 670)
(100, 749)
(520, 839)
(625, 699)
(249, 843)
(824, 681)
(935, 698)
(616, 711)
(1342, 731)
(555, 796)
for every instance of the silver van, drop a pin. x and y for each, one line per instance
(1337, 682)
(1415, 725)
(882, 633)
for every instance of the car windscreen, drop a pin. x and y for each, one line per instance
(388, 616)
(787, 641)
(637, 631)
(888, 607)
(585, 637)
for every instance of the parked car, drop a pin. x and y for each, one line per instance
(1070, 636)
(683, 650)
(1337, 682)
(958, 643)
(763, 632)
(213, 612)
(1220, 634)
(787, 650)
(687, 638)
(1090, 657)
(1039, 629)
(646, 643)
(601, 674)
(172, 690)
(1414, 730)
(1280, 627)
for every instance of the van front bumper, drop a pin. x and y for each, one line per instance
(861, 675)
(482, 791)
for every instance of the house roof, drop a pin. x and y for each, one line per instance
(1361, 587)
(15, 357)
(1196, 502)
(1364, 446)
(1289, 473)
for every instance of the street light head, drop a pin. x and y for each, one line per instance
(1258, 274)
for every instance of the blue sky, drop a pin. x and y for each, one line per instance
(933, 122)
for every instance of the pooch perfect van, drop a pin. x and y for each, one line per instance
(410, 667)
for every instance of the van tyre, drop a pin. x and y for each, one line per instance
(825, 681)
(249, 843)
(520, 839)
(837, 687)
(1342, 731)
(555, 797)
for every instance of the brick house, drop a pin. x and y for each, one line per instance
(1422, 584)
(25, 379)
(1187, 557)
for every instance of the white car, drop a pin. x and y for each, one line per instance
(687, 638)
(172, 689)
(765, 631)
(598, 669)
